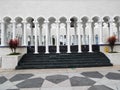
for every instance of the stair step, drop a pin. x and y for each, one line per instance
(63, 60)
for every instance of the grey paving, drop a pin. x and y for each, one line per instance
(114, 76)
(31, 83)
(81, 81)
(18, 77)
(92, 80)
(93, 74)
(99, 87)
(3, 79)
(57, 78)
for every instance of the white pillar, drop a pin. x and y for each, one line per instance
(40, 35)
(46, 32)
(111, 28)
(79, 36)
(90, 36)
(57, 34)
(25, 34)
(101, 34)
(14, 30)
(68, 37)
(32, 40)
(2, 34)
(36, 41)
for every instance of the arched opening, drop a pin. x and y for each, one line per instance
(30, 34)
(106, 28)
(8, 31)
(19, 33)
(85, 34)
(95, 30)
(41, 31)
(63, 31)
(73, 31)
(117, 22)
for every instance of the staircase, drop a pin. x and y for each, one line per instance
(63, 60)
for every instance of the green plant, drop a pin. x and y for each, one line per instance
(111, 41)
(13, 44)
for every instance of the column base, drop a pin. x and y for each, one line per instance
(90, 51)
(46, 52)
(58, 52)
(36, 52)
(68, 51)
(79, 51)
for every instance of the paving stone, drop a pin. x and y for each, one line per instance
(31, 83)
(13, 89)
(57, 78)
(81, 81)
(99, 87)
(114, 76)
(18, 77)
(3, 79)
(92, 74)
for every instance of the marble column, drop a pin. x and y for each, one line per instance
(36, 41)
(32, 39)
(2, 34)
(90, 36)
(68, 37)
(46, 39)
(14, 30)
(100, 32)
(40, 35)
(57, 34)
(25, 34)
(79, 26)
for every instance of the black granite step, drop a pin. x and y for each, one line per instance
(63, 60)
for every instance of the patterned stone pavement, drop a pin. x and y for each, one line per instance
(65, 79)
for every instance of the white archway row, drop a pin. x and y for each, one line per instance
(62, 31)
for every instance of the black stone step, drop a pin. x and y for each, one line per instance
(63, 60)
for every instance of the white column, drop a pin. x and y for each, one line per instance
(101, 34)
(111, 28)
(2, 34)
(90, 36)
(32, 41)
(25, 34)
(36, 41)
(14, 30)
(57, 34)
(40, 35)
(68, 37)
(46, 32)
(79, 36)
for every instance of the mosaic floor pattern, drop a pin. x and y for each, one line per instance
(85, 80)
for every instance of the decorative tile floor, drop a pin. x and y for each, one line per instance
(101, 78)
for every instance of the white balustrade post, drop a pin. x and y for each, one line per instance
(79, 36)
(90, 36)
(36, 39)
(57, 34)
(46, 32)
(101, 34)
(25, 34)
(32, 40)
(2, 34)
(40, 35)
(14, 30)
(68, 37)
(111, 28)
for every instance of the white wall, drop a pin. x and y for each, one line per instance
(58, 8)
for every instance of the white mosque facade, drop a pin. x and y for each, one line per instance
(58, 23)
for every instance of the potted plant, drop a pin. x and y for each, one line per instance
(111, 41)
(13, 44)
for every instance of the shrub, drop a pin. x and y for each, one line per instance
(13, 44)
(111, 41)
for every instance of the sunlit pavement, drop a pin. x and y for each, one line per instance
(96, 78)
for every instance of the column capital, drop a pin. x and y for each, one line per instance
(57, 21)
